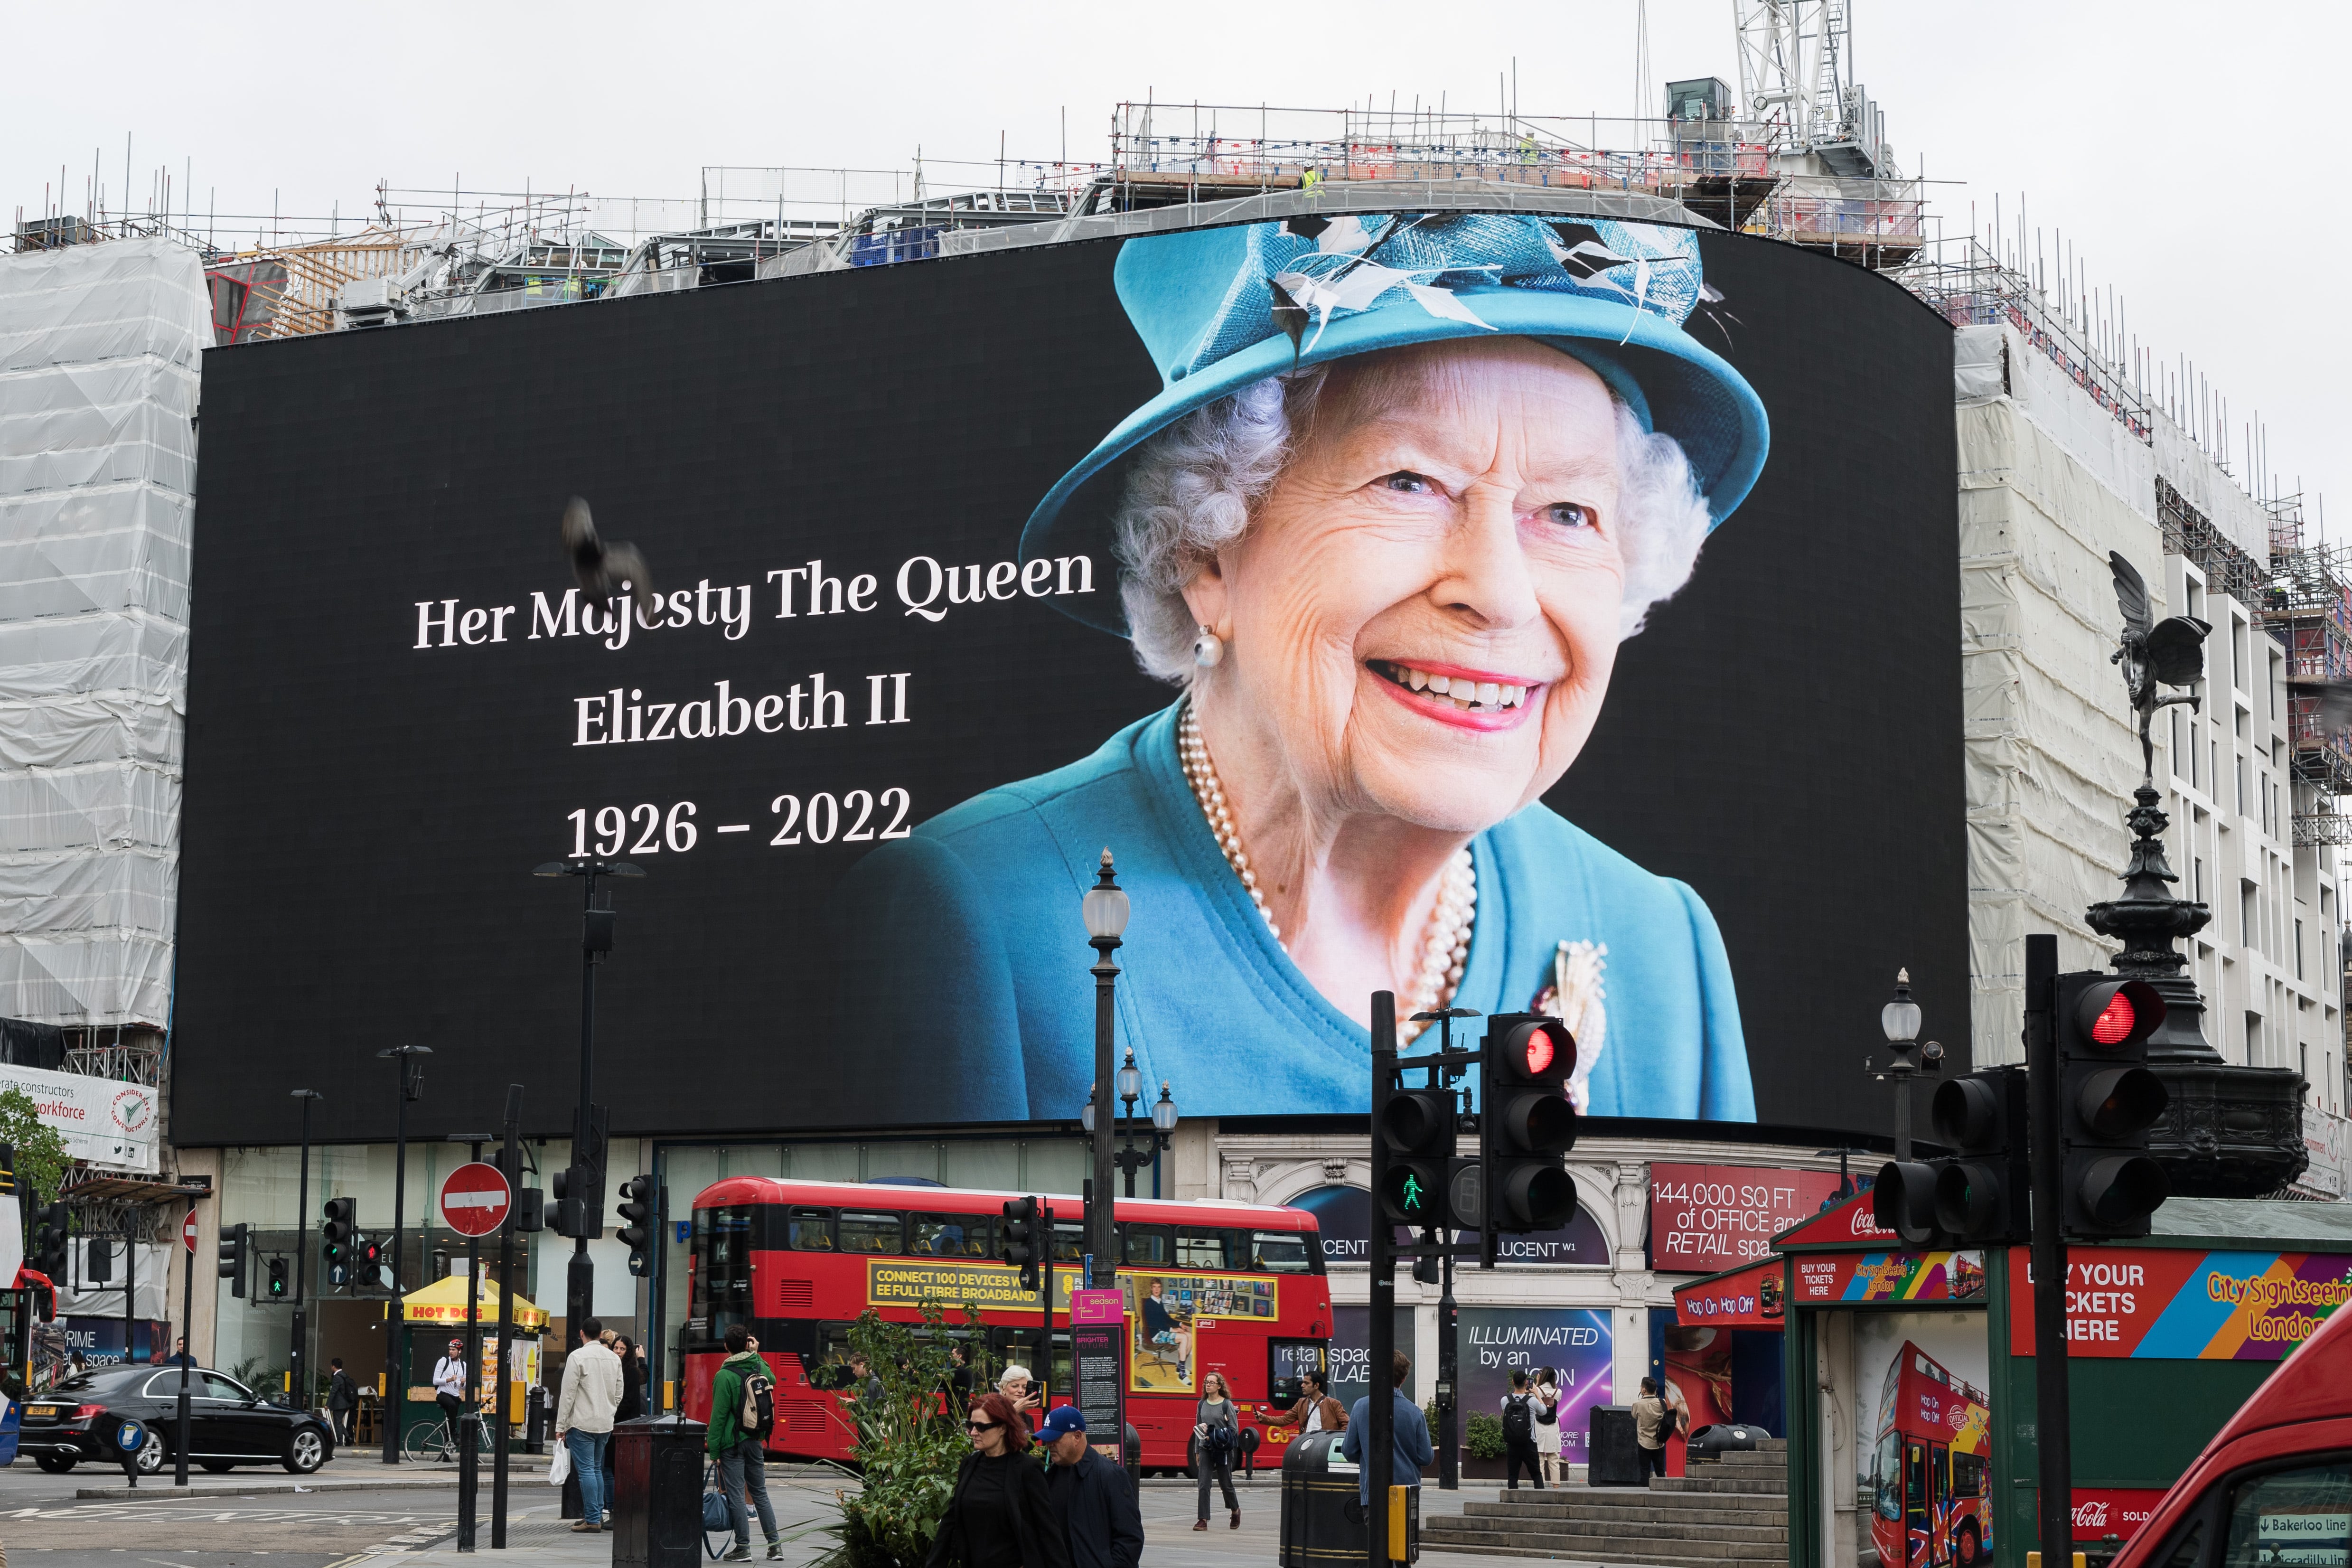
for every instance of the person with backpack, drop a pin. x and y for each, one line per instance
(1519, 1434)
(1216, 1444)
(1547, 1423)
(343, 1399)
(743, 1415)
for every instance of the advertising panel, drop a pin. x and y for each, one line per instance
(1344, 1216)
(1574, 1342)
(1706, 1218)
(1295, 563)
(2182, 1304)
(105, 1122)
(1748, 1300)
(1889, 1277)
(1925, 1462)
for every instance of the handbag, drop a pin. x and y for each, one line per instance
(558, 1469)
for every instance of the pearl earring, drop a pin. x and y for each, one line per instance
(1208, 648)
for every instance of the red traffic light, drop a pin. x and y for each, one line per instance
(1539, 1053)
(2118, 1013)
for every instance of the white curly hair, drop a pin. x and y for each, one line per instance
(1196, 485)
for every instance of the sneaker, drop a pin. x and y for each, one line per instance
(586, 1527)
(775, 1550)
(740, 1554)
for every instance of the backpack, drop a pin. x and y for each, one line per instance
(1548, 1414)
(759, 1415)
(1518, 1421)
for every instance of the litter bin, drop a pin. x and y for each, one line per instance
(657, 1492)
(1323, 1510)
(1614, 1459)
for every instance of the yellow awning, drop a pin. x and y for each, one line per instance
(444, 1301)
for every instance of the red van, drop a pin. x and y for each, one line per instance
(2274, 1486)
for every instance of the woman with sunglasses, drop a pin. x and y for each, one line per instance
(1000, 1516)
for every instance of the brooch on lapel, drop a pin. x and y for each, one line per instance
(1574, 998)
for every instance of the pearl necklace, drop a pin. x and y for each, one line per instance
(1445, 950)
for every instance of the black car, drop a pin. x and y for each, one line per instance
(228, 1424)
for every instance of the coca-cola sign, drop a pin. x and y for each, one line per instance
(2111, 1514)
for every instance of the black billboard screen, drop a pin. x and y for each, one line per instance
(1507, 613)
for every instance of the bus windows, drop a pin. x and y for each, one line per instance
(1887, 1471)
(1284, 1360)
(810, 1230)
(1069, 1242)
(1284, 1252)
(1152, 1245)
(1214, 1249)
(948, 1234)
(871, 1232)
(1968, 1475)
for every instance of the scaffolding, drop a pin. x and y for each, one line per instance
(2307, 607)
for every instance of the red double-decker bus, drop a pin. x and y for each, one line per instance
(1931, 1470)
(1233, 1288)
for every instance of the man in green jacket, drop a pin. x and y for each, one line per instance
(741, 1469)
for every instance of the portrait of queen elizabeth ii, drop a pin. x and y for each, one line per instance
(1409, 484)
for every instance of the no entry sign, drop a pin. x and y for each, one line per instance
(188, 1230)
(475, 1198)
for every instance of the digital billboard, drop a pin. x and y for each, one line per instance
(1509, 611)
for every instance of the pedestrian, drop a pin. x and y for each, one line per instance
(1216, 1442)
(449, 1386)
(999, 1515)
(343, 1400)
(735, 1437)
(869, 1385)
(1519, 1434)
(961, 1377)
(1093, 1498)
(1655, 1420)
(583, 1418)
(1020, 1390)
(180, 1356)
(82, 1365)
(1316, 1411)
(1409, 1435)
(1547, 1423)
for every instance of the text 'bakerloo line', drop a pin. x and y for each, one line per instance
(922, 588)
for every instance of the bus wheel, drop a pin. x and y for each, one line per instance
(1967, 1553)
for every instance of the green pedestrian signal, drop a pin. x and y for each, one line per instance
(1410, 1198)
(1413, 1191)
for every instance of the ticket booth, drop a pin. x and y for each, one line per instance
(432, 1316)
(1910, 1374)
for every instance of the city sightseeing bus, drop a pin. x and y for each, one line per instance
(1234, 1289)
(1930, 1471)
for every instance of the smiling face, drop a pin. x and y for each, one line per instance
(1424, 612)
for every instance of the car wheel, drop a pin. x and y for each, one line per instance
(55, 1464)
(152, 1455)
(305, 1451)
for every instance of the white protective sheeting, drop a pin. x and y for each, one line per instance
(100, 348)
(2051, 754)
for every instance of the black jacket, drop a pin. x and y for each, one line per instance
(341, 1393)
(1043, 1545)
(633, 1392)
(1096, 1503)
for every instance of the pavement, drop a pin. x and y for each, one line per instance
(352, 1515)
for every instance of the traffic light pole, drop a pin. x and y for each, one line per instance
(2053, 1428)
(187, 1328)
(1380, 1407)
(1449, 1400)
(1046, 1299)
(580, 1283)
(300, 1360)
(500, 1438)
(470, 1420)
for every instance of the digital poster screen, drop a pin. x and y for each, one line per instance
(1501, 610)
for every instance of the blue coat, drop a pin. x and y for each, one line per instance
(963, 943)
(1411, 1444)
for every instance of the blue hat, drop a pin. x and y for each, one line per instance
(1065, 1420)
(1220, 309)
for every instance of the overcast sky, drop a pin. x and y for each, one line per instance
(2187, 151)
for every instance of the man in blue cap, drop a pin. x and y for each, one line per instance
(1092, 1497)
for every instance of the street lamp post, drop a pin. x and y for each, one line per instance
(1129, 1157)
(1899, 1022)
(1105, 910)
(300, 1360)
(412, 1086)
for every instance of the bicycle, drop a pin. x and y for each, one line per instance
(436, 1443)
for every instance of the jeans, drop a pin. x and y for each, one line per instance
(741, 1470)
(1653, 1462)
(588, 1462)
(1520, 1454)
(1223, 1469)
